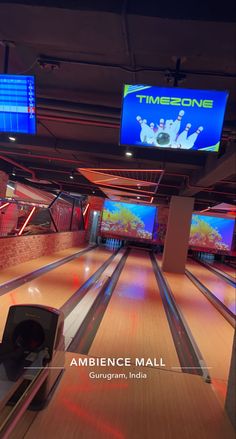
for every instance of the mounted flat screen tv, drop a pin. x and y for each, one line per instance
(17, 104)
(127, 220)
(172, 118)
(211, 232)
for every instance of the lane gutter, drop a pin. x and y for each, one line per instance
(227, 314)
(226, 277)
(86, 333)
(78, 295)
(18, 281)
(190, 357)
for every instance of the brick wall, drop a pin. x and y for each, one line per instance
(3, 183)
(20, 249)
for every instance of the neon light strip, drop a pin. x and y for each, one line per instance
(4, 205)
(86, 208)
(205, 210)
(26, 222)
(120, 169)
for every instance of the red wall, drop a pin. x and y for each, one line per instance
(20, 249)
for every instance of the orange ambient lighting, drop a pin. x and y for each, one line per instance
(26, 222)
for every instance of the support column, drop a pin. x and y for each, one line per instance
(3, 184)
(177, 234)
(230, 404)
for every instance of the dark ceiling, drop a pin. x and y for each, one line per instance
(82, 53)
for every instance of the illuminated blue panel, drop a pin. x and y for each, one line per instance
(172, 118)
(17, 104)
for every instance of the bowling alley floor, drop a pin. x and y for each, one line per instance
(165, 405)
(160, 402)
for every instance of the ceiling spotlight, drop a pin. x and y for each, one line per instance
(71, 177)
(128, 154)
(13, 173)
(12, 139)
(138, 198)
(93, 192)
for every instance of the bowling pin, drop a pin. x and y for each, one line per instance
(146, 133)
(161, 125)
(192, 139)
(168, 126)
(175, 127)
(181, 139)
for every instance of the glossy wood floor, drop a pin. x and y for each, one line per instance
(225, 269)
(55, 287)
(211, 331)
(219, 287)
(135, 323)
(165, 405)
(25, 268)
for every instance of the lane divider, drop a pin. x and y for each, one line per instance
(227, 314)
(78, 295)
(226, 277)
(190, 357)
(18, 281)
(87, 331)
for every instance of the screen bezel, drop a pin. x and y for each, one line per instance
(161, 148)
(108, 235)
(20, 133)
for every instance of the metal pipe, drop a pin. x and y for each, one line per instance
(17, 165)
(79, 121)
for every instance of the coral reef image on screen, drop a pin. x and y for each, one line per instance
(128, 220)
(211, 232)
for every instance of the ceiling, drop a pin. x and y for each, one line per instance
(82, 53)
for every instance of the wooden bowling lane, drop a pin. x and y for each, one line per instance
(34, 264)
(165, 405)
(212, 333)
(135, 323)
(55, 287)
(225, 269)
(219, 287)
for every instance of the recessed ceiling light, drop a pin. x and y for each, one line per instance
(71, 177)
(12, 139)
(128, 154)
(138, 198)
(13, 173)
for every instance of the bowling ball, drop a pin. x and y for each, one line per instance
(163, 138)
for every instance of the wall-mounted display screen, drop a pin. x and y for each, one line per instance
(17, 104)
(211, 232)
(127, 220)
(174, 118)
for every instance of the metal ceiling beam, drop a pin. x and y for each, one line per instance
(216, 169)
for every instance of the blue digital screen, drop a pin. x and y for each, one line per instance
(128, 220)
(17, 104)
(174, 118)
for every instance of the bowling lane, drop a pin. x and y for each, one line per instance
(55, 287)
(225, 269)
(135, 323)
(212, 333)
(34, 264)
(220, 288)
